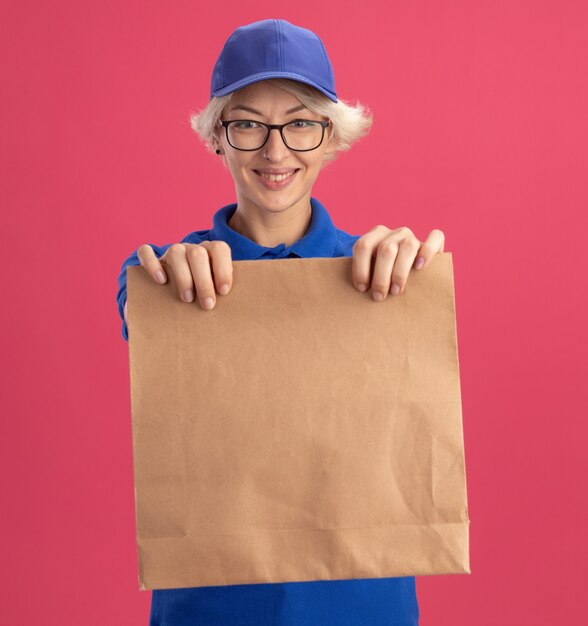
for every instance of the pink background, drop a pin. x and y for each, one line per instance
(480, 130)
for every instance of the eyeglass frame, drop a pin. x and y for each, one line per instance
(279, 127)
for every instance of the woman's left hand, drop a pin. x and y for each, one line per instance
(395, 252)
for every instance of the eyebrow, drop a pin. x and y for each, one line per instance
(250, 110)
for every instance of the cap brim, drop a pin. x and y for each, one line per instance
(254, 78)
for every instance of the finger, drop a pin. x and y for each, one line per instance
(200, 268)
(433, 244)
(175, 259)
(385, 258)
(222, 265)
(151, 263)
(394, 259)
(408, 249)
(364, 250)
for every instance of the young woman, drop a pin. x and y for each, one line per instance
(275, 120)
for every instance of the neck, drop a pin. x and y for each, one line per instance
(270, 228)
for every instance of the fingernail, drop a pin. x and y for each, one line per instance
(188, 295)
(208, 303)
(160, 277)
(395, 289)
(419, 262)
(224, 289)
(361, 287)
(378, 297)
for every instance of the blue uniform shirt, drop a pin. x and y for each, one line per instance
(357, 602)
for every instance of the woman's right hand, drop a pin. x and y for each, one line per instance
(203, 269)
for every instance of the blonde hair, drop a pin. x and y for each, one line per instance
(350, 122)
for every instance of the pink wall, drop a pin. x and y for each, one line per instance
(480, 130)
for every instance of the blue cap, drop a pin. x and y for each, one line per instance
(272, 49)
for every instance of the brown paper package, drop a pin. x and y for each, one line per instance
(299, 431)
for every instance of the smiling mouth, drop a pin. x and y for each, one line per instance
(276, 177)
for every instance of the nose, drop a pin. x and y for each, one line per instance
(275, 148)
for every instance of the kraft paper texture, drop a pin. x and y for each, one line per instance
(299, 431)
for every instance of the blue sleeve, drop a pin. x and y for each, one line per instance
(121, 296)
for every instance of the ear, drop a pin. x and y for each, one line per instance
(216, 145)
(216, 140)
(331, 142)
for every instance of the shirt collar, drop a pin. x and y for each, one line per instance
(319, 240)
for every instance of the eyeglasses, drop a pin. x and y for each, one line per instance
(298, 135)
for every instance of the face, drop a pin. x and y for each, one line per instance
(274, 106)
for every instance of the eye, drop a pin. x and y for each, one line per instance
(245, 124)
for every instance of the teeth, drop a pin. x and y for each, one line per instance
(278, 177)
